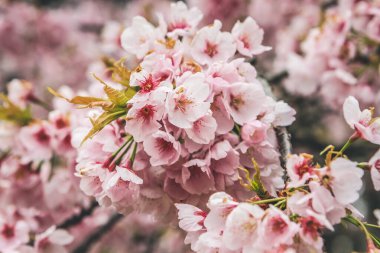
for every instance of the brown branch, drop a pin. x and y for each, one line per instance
(98, 234)
(283, 137)
(76, 219)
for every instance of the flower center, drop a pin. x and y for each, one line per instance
(163, 145)
(278, 225)
(303, 168)
(41, 136)
(310, 227)
(236, 102)
(182, 102)
(148, 84)
(146, 113)
(245, 41)
(211, 49)
(8, 231)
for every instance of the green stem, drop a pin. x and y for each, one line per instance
(371, 225)
(280, 203)
(133, 155)
(117, 162)
(41, 103)
(364, 166)
(352, 139)
(266, 201)
(351, 219)
(122, 146)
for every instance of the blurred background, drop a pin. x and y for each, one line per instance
(59, 42)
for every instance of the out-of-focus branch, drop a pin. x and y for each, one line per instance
(76, 219)
(94, 237)
(283, 137)
(285, 146)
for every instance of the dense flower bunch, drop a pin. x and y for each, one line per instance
(43, 209)
(188, 114)
(43, 45)
(315, 197)
(179, 125)
(340, 56)
(38, 189)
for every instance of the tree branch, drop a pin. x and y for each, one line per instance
(283, 137)
(94, 237)
(76, 219)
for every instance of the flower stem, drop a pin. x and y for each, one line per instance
(266, 201)
(352, 139)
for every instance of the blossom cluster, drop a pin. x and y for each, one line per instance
(339, 57)
(315, 198)
(183, 119)
(38, 189)
(43, 209)
(179, 124)
(44, 45)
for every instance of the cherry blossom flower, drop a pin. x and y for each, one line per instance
(245, 101)
(211, 45)
(142, 119)
(53, 240)
(299, 169)
(365, 126)
(182, 19)
(241, 227)
(249, 36)
(276, 229)
(138, 38)
(374, 164)
(191, 218)
(162, 148)
(188, 102)
(13, 235)
(203, 130)
(345, 180)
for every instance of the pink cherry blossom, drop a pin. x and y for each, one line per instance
(220, 205)
(139, 37)
(196, 177)
(345, 180)
(210, 44)
(142, 119)
(162, 148)
(249, 36)
(182, 19)
(276, 229)
(19, 92)
(188, 102)
(365, 126)
(324, 203)
(299, 169)
(36, 141)
(191, 218)
(241, 227)
(53, 240)
(13, 235)
(203, 130)
(374, 162)
(245, 101)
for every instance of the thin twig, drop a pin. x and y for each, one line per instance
(94, 237)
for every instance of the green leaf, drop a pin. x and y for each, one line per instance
(256, 182)
(119, 72)
(85, 102)
(118, 97)
(103, 120)
(11, 112)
